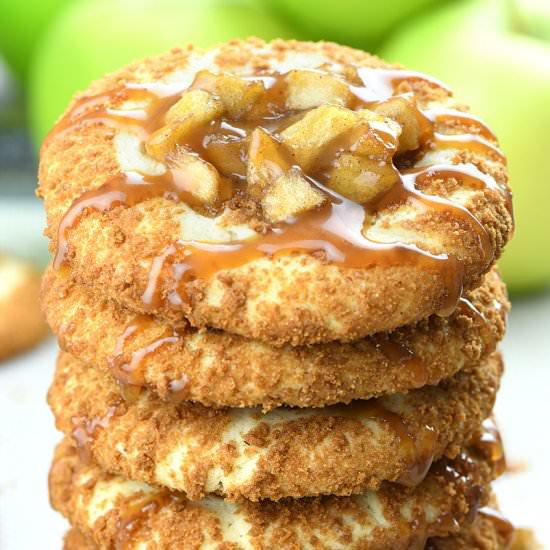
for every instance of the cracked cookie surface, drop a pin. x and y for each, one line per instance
(289, 192)
(214, 368)
(244, 453)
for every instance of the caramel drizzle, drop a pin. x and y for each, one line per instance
(85, 431)
(397, 352)
(132, 372)
(465, 306)
(489, 444)
(335, 229)
(418, 446)
(133, 516)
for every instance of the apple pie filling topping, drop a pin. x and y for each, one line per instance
(307, 159)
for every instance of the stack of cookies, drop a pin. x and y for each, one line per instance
(274, 292)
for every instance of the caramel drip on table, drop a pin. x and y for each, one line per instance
(418, 447)
(334, 230)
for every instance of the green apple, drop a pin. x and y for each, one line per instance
(360, 23)
(21, 24)
(531, 17)
(504, 75)
(93, 37)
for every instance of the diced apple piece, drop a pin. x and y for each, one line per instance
(381, 136)
(195, 109)
(318, 127)
(289, 196)
(413, 126)
(199, 103)
(227, 155)
(361, 178)
(267, 162)
(309, 89)
(195, 176)
(238, 95)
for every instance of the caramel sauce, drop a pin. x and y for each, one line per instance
(472, 142)
(462, 119)
(418, 447)
(461, 473)
(131, 373)
(133, 517)
(336, 230)
(502, 525)
(401, 354)
(489, 444)
(379, 84)
(85, 431)
(485, 328)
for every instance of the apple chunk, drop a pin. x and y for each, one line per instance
(195, 109)
(281, 188)
(309, 89)
(351, 151)
(361, 178)
(415, 128)
(289, 196)
(309, 135)
(195, 176)
(267, 162)
(238, 95)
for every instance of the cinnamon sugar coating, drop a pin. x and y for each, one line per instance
(117, 513)
(129, 250)
(242, 453)
(481, 534)
(220, 369)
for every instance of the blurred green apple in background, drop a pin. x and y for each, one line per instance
(531, 17)
(93, 37)
(360, 23)
(21, 25)
(504, 75)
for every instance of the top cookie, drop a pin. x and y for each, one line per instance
(290, 192)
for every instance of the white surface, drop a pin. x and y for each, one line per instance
(27, 439)
(27, 435)
(22, 221)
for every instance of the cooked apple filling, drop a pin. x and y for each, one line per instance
(288, 141)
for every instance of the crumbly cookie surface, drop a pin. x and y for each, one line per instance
(114, 512)
(483, 533)
(248, 229)
(243, 453)
(220, 369)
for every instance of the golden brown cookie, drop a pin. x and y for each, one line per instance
(21, 322)
(289, 192)
(484, 533)
(244, 453)
(220, 369)
(116, 513)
